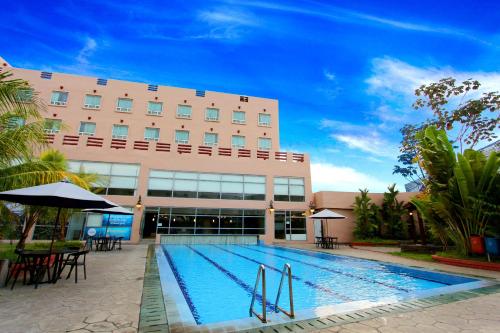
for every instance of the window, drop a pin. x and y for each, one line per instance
(124, 105)
(224, 221)
(152, 134)
(92, 102)
(239, 117)
(155, 108)
(264, 119)
(238, 141)
(244, 99)
(264, 144)
(87, 128)
(115, 178)
(211, 139)
(212, 114)
(25, 95)
(59, 98)
(290, 225)
(181, 136)
(120, 131)
(206, 185)
(52, 126)
(184, 111)
(289, 189)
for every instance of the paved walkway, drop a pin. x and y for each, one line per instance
(108, 301)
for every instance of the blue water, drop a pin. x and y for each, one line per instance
(217, 280)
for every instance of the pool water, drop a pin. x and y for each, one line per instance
(217, 280)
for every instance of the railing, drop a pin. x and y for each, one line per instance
(260, 272)
(287, 270)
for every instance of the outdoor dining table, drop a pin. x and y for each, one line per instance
(327, 242)
(40, 262)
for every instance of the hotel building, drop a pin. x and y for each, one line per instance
(200, 162)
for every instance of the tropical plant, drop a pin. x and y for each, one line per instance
(463, 190)
(366, 213)
(392, 213)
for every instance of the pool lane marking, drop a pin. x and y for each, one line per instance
(306, 282)
(233, 277)
(332, 270)
(182, 285)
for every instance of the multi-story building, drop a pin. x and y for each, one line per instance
(199, 162)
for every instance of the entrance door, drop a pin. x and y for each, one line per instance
(290, 225)
(149, 226)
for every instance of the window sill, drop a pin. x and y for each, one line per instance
(57, 105)
(213, 120)
(154, 114)
(261, 125)
(237, 123)
(93, 109)
(184, 118)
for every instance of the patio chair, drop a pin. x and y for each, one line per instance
(73, 261)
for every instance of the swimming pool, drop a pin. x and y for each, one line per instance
(216, 281)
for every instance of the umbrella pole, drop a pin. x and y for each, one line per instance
(54, 230)
(107, 226)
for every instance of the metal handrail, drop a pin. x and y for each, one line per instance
(287, 269)
(261, 271)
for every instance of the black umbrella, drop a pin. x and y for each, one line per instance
(61, 194)
(114, 210)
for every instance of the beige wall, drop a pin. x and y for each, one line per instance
(282, 164)
(342, 203)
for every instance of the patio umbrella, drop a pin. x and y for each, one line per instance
(113, 210)
(326, 214)
(61, 195)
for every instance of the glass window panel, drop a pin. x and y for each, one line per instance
(25, 95)
(231, 212)
(280, 180)
(255, 212)
(212, 114)
(59, 98)
(232, 178)
(254, 231)
(92, 101)
(238, 141)
(208, 211)
(209, 176)
(184, 211)
(87, 128)
(178, 221)
(255, 179)
(205, 231)
(264, 144)
(186, 175)
(296, 190)
(264, 119)
(254, 222)
(255, 188)
(122, 182)
(124, 169)
(280, 189)
(74, 166)
(209, 186)
(181, 231)
(161, 174)
(207, 221)
(120, 131)
(185, 185)
(184, 111)
(94, 220)
(97, 167)
(160, 184)
(124, 103)
(155, 107)
(181, 136)
(239, 117)
(52, 125)
(152, 134)
(231, 222)
(296, 181)
(159, 193)
(227, 187)
(211, 139)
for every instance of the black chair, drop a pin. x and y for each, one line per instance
(33, 264)
(73, 261)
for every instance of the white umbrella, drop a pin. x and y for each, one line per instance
(114, 210)
(326, 214)
(61, 194)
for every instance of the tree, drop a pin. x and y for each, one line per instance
(392, 215)
(467, 119)
(366, 215)
(462, 190)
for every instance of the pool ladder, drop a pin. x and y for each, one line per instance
(261, 276)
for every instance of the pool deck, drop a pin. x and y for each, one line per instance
(109, 300)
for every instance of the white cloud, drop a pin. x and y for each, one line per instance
(330, 76)
(225, 23)
(86, 51)
(330, 177)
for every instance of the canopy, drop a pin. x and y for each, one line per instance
(326, 214)
(114, 210)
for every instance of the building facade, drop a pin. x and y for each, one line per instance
(199, 162)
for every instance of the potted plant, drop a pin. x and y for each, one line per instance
(477, 244)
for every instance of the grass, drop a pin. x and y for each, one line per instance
(7, 250)
(413, 255)
(377, 240)
(449, 254)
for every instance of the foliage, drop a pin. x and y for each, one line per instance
(366, 214)
(469, 120)
(413, 255)
(463, 190)
(7, 251)
(392, 213)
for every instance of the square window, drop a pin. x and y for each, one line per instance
(52, 126)
(239, 117)
(184, 111)
(59, 98)
(264, 144)
(152, 134)
(120, 132)
(212, 114)
(124, 105)
(25, 95)
(92, 102)
(15, 122)
(238, 141)
(87, 128)
(211, 139)
(182, 137)
(264, 119)
(155, 108)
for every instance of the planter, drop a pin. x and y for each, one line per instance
(492, 245)
(477, 245)
(490, 266)
(4, 270)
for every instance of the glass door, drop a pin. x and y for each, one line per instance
(290, 225)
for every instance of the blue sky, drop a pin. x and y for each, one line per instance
(344, 72)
